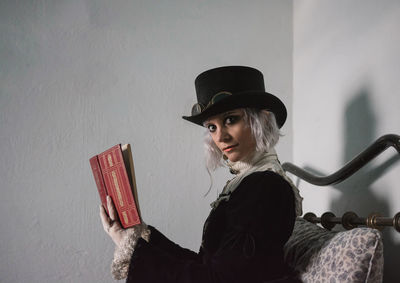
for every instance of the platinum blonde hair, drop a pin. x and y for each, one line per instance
(263, 128)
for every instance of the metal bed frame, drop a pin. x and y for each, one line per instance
(350, 220)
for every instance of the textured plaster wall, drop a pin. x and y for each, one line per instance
(77, 77)
(346, 95)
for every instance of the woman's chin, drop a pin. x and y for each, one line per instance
(235, 157)
(231, 157)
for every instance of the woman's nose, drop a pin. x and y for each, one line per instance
(223, 135)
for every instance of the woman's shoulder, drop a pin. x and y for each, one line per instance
(264, 190)
(267, 176)
(265, 182)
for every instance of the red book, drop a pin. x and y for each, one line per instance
(114, 175)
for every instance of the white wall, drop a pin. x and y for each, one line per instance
(77, 77)
(346, 95)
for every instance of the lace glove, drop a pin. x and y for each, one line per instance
(123, 252)
(124, 239)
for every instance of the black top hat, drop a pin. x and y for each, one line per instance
(225, 88)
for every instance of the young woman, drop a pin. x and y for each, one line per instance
(251, 220)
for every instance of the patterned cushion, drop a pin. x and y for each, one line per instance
(320, 255)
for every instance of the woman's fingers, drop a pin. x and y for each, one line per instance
(111, 209)
(104, 219)
(111, 221)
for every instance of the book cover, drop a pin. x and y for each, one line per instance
(119, 183)
(98, 178)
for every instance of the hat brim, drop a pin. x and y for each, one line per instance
(259, 100)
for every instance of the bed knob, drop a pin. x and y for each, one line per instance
(396, 222)
(310, 217)
(349, 220)
(326, 220)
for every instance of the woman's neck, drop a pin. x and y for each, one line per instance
(245, 164)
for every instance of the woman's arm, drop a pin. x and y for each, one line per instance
(251, 249)
(162, 242)
(126, 241)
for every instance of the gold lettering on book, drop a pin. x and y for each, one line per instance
(109, 158)
(125, 216)
(117, 189)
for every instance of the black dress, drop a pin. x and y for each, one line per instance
(243, 239)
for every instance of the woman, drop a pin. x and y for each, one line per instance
(251, 220)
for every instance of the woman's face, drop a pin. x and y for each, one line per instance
(231, 134)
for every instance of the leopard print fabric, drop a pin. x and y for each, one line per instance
(321, 256)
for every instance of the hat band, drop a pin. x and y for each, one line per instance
(198, 108)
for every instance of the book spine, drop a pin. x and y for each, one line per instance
(117, 183)
(98, 177)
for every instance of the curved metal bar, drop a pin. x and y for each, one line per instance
(351, 167)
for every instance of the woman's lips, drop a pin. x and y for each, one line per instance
(229, 148)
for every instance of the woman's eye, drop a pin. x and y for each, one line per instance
(211, 128)
(231, 119)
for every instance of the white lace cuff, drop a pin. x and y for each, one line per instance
(123, 253)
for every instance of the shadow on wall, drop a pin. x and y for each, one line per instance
(356, 192)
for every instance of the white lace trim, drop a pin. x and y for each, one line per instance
(123, 253)
(260, 161)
